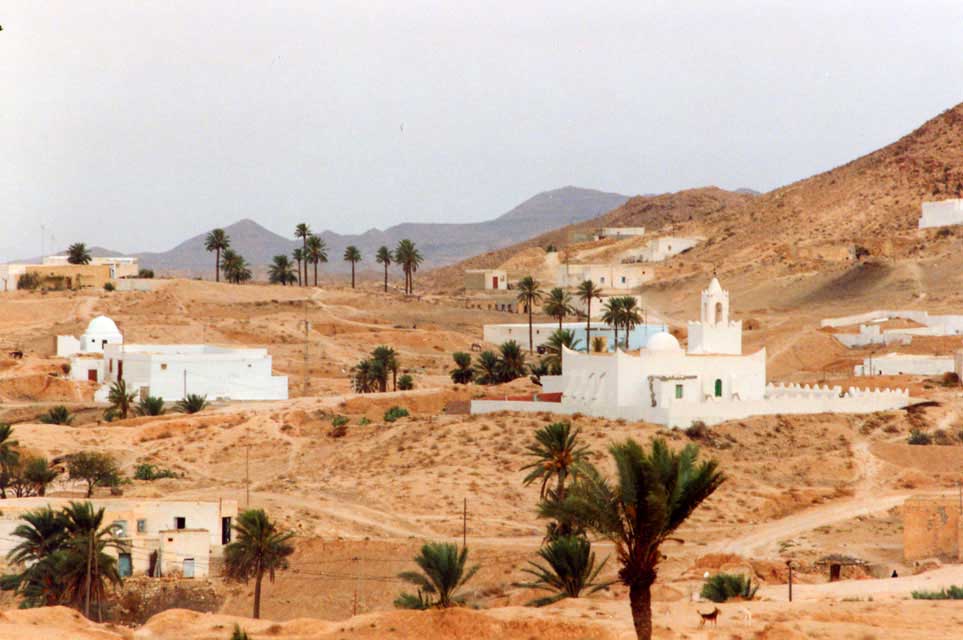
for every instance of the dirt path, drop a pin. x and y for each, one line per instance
(885, 587)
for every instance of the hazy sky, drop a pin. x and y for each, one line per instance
(136, 124)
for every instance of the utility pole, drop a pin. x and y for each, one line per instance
(789, 564)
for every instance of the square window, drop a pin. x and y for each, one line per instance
(678, 391)
(163, 366)
(141, 525)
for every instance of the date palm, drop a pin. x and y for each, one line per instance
(388, 359)
(384, 257)
(654, 492)
(443, 572)
(559, 340)
(317, 252)
(353, 255)
(487, 368)
(298, 255)
(408, 256)
(556, 457)
(612, 315)
(39, 538)
(77, 253)
(235, 267)
(121, 401)
(281, 271)
(529, 293)
(462, 373)
(9, 456)
(38, 473)
(569, 569)
(511, 361)
(586, 291)
(558, 304)
(84, 565)
(631, 318)
(259, 548)
(303, 231)
(217, 241)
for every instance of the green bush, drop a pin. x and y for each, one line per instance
(406, 383)
(723, 586)
(109, 286)
(146, 471)
(339, 421)
(192, 403)
(916, 436)
(394, 413)
(364, 421)
(239, 634)
(28, 281)
(151, 406)
(145, 273)
(953, 593)
(57, 415)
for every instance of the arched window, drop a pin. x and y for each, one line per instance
(718, 313)
(718, 388)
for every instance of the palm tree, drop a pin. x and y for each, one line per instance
(150, 406)
(317, 253)
(192, 403)
(631, 318)
(41, 536)
(388, 359)
(366, 376)
(558, 304)
(408, 256)
(281, 271)
(235, 267)
(9, 456)
(217, 241)
(570, 569)
(462, 373)
(655, 491)
(443, 572)
(556, 456)
(120, 400)
(511, 361)
(352, 255)
(85, 566)
(529, 293)
(57, 415)
(260, 547)
(77, 253)
(298, 255)
(586, 291)
(303, 231)
(487, 368)
(384, 257)
(560, 338)
(612, 316)
(38, 473)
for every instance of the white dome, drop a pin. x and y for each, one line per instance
(714, 286)
(101, 326)
(663, 341)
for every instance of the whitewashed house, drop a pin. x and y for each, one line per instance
(162, 537)
(712, 381)
(170, 371)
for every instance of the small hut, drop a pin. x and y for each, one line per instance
(836, 562)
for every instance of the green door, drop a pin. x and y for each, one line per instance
(718, 388)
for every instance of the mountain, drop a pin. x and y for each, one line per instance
(439, 243)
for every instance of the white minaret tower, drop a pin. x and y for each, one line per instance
(715, 333)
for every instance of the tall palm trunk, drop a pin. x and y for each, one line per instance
(257, 591)
(352, 274)
(315, 274)
(304, 248)
(560, 322)
(217, 265)
(588, 325)
(627, 336)
(615, 345)
(531, 345)
(386, 277)
(640, 601)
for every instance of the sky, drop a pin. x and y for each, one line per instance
(135, 125)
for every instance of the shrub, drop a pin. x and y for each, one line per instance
(600, 344)
(239, 634)
(339, 421)
(151, 406)
(57, 415)
(146, 471)
(109, 286)
(406, 383)
(917, 436)
(145, 273)
(941, 437)
(394, 413)
(192, 403)
(697, 430)
(950, 379)
(953, 593)
(364, 421)
(29, 281)
(723, 586)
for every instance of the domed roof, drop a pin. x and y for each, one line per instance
(102, 326)
(663, 341)
(714, 286)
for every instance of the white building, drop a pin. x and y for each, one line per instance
(658, 249)
(620, 232)
(486, 280)
(162, 537)
(121, 266)
(664, 384)
(899, 364)
(169, 371)
(933, 325)
(941, 214)
(618, 276)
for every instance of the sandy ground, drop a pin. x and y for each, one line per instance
(798, 487)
